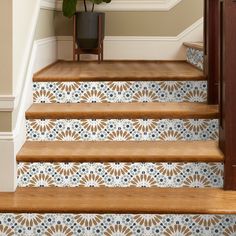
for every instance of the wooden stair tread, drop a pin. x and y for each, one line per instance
(122, 111)
(119, 71)
(108, 151)
(119, 200)
(195, 45)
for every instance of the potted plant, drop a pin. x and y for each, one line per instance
(86, 22)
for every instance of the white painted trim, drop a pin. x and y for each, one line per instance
(11, 142)
(6, 135)
(7, 102)
(48, 4)
(18, 89)
(44, 52)
(133, 5)
(140, 48)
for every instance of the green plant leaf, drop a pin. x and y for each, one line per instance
(69, 7)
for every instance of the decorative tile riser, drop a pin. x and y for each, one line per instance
(88, 92)
(195, 57)
(121, 130)
(116, 224)
(120, 175)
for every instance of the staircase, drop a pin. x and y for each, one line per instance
(120, 148)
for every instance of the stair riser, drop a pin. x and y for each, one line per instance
(120, 175)
(122, 130)
(195, 57)
(117, 224)
(141, 91)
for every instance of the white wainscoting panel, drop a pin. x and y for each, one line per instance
(44, 52)
(140, 48)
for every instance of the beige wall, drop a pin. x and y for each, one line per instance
(169, 23)
(6, 63)
(5, 121)
(45, 26)
(6, 47)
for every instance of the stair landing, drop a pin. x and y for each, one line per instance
(119, 71)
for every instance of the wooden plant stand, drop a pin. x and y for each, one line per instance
(77, 51)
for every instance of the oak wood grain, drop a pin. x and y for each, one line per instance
(122, 111)
(119, 200)
(119, 71)
(109, 151)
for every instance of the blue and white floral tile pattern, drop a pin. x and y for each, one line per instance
(87, 92)
(114, 225)
(195, 175)
(195, 57)
(122, 130)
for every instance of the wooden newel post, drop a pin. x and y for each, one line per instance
(211, 48)
(228, 90)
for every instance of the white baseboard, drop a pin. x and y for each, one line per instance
(140, 48)
(132, 5)
(44, 52)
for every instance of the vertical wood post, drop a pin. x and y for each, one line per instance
(211, 48)
(74, 37)
(228, 91)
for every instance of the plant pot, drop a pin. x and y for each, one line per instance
(87, 31)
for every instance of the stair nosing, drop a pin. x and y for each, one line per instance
(152, 110)
(119, 200)
(57, 151)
